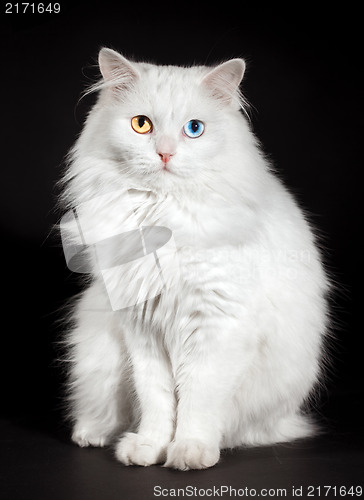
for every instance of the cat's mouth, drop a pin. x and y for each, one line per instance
(163, 169)
(167, 168)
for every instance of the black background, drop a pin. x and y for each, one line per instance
(304, 80)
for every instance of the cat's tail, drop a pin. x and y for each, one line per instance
(271, 431)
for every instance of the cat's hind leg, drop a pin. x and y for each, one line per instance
(98, 378)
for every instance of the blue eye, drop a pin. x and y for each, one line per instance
(193, 129)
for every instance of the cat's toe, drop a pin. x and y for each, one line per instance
(135, 449)
(191, 454)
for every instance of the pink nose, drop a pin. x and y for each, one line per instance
(165, 157)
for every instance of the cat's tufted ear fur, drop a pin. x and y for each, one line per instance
(117, 71)
(223, 81)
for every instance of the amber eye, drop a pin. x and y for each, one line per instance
(141, 124)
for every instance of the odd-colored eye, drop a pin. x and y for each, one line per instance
(141, 124)
(193, 129)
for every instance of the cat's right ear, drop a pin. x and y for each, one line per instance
(118, 73)
(223, 81)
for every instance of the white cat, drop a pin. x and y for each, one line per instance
(227, 354)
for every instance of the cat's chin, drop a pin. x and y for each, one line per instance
(165, 180)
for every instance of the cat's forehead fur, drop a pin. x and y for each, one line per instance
(167, 91)
(167, 87)
(164, 76)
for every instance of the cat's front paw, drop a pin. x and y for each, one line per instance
(191, 454)
(84, 437)
(135, 449)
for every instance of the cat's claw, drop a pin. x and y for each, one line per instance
(135, 449)
(191, 454)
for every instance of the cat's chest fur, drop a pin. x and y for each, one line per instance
(204, 222)
(209, 251)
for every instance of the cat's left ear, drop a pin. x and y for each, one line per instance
(118, 72)
(223, 81)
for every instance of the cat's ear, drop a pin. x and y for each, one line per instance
(117, 71)
(223, 81)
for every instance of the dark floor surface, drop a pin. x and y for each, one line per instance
(40, 462)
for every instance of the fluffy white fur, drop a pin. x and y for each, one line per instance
(229, 356)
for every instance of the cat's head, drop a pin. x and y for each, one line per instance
(167, 124)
